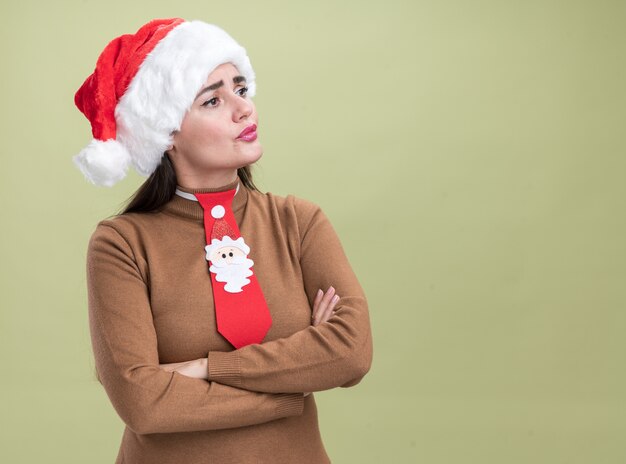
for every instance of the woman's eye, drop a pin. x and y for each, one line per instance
(213, 101)
(208, 102)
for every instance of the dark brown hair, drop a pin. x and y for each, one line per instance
(160, 187)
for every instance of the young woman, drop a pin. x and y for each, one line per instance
(214, 309)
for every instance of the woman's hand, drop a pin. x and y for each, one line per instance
(323, 306)
(196, 368)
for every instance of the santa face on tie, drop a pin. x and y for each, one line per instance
(229, 262)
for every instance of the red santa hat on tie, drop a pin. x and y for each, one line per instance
(222, 234)
(141, 88)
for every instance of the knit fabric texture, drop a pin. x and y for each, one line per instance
(150, 303)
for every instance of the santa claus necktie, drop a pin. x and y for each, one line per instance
(241, 312)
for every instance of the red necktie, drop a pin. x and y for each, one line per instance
(242, 314)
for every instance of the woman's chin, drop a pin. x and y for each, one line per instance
(254, 155)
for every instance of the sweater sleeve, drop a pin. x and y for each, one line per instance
(333, 354)
(148, 398)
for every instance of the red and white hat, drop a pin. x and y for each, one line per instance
(142, 86)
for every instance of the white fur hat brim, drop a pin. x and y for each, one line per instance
(158, 97)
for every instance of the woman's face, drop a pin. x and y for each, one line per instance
(207, 148)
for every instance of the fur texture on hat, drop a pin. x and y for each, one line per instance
(172, 60)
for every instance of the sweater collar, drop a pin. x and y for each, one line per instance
(191, 209)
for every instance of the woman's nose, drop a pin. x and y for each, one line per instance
(243, 109)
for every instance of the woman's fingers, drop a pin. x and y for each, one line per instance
(325, 304)
(331, 309)
(321, 308)
(171, 366)
(318, 299)
(316, 304)
(196, 368)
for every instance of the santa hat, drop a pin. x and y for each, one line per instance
(222, 233)
(141, 88)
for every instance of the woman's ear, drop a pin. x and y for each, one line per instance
(171, 146)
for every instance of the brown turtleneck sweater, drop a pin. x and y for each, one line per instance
(151, 303)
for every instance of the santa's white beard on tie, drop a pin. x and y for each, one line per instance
(234, 273)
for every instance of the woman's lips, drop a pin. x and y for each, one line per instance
(248, 134)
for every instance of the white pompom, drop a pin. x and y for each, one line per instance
(218, 211)
(103, 163)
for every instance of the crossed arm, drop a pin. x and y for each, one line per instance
(251, 385)
(323, 309)
(335, 351)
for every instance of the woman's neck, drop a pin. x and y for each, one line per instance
(185, 204)
(214, 180)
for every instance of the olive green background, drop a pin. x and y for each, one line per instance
(470, 155)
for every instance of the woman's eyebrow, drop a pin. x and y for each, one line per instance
(217, 85)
